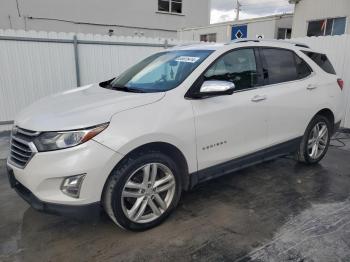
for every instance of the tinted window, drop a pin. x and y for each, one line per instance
(322, 61)
(238, 67)
(280, 65)
(303, 69)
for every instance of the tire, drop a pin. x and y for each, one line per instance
(128, 191)
(307, 152)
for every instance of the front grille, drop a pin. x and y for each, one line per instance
(22, 148)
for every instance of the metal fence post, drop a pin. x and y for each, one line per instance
(76, 59)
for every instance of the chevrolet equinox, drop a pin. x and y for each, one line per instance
(131, 145)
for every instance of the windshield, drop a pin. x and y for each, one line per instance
(160, 72)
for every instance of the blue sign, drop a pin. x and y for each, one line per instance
(239, 31)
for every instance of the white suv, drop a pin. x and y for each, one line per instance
(180, 117)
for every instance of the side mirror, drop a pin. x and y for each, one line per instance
(216, 88)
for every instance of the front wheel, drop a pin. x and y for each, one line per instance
(142, 191)
(315, 142)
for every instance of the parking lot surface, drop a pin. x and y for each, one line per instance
(276, 211)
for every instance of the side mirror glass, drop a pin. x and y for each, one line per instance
(216, 88)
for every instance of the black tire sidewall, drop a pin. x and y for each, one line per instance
(125, 171)
(315, 120)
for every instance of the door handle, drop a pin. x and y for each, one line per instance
(258, 98)
(311, 87)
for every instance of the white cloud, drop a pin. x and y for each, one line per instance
(223, 10)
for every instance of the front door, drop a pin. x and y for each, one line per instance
(234, 125)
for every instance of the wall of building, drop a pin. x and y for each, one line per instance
(267, 26)
(307, 10)
(97, 17)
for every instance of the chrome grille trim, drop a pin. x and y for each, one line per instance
(22, 148)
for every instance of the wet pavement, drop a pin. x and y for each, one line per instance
(4, 144)
(276, 211)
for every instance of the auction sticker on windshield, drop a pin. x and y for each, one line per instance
(187, 59)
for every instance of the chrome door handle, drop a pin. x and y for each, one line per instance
(311, 87)
(258, 98)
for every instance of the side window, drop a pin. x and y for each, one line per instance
(322, 61)
(303, 69)
(238, 67)
(280, 65)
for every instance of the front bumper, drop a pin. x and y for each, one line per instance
(40, 181)
(82, 212)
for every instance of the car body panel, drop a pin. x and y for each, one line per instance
(80, 108)
(44, 180)
(198, 128)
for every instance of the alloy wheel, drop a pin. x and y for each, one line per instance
(148, 193)
(318, 140)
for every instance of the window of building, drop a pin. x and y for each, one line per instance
(330, 26)
(238, 67)
(208, 38)
(170, 6)
(322, 61)
(284, 33)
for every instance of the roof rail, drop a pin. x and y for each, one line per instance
(270, 40)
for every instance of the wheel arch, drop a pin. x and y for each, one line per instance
(165, 148)
(326, 112)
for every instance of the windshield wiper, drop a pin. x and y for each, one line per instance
(127, 89)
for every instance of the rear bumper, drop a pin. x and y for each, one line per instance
(89, 212)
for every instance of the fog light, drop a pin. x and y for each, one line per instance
(71, 185)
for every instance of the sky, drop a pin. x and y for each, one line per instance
(223, 10)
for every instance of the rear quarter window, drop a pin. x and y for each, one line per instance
(322, 61)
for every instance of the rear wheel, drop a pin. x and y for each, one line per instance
(315, 142)
(143, 191)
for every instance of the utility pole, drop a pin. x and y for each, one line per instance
(238, 8)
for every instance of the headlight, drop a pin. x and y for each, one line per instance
(49, 141)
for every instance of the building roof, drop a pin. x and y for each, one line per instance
(244, 21)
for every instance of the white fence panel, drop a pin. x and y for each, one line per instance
(337, 49)
(102, 62)
(30, 70)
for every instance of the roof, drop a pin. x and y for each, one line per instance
(241, 42)
(199, 46)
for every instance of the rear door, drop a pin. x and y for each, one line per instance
(292, 94)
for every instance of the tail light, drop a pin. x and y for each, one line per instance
(340, 83)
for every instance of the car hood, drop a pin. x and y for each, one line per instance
(81, 107)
